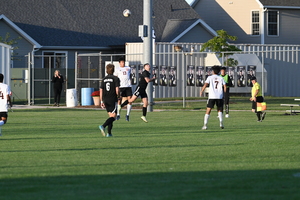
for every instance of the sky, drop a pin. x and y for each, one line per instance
(189, 1)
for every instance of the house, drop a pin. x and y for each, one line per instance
(66, 26)
(253, 21)
(53, 30)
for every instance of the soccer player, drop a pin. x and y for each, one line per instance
(124, 74)
(226, 94)
(109, 93)
(256, 96)
(141, 90)
(4, 100)
(217, 87)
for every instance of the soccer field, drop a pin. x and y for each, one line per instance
(61, 154)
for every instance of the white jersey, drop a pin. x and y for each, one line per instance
(215, 86)
(124, 75)
(4, 91)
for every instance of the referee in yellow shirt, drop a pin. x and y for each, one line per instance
(256, 96)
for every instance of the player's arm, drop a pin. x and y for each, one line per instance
(9, 100)
(224, 88)
(147, 79)
(101, 95)
(118, 92)
(203, 88)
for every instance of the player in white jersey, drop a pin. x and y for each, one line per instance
(4, 100)
(217, 86)
(125, 87)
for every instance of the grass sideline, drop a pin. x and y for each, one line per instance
(60, 154)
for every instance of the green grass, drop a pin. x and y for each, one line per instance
(60, 154)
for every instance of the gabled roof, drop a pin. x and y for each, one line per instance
(91, 22)
(280, 3)
(270, 3)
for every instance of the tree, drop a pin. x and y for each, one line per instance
(12, 42)
(219, 44)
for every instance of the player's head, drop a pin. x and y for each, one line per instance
(253, 79)
(147, 66)
(216, 69)
(122, 62)
(1, 78)
(223, 70)
(110, 69)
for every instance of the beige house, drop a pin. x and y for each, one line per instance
(253, 21)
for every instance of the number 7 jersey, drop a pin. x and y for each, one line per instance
(215, 86)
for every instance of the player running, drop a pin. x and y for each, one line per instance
(215, 95)
(4, 100)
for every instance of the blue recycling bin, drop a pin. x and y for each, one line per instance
(86, 98)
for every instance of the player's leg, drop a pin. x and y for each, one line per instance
(129, 106)
(3, 119)
(210, 105)
(55, 97)
(145, 104)
(111, 111)
(220, 104)
(119, 103)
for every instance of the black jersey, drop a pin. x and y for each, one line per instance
(108, 85)
(143, 83)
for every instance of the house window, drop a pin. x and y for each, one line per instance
(255, 22)
(272, 22)
(55, 60)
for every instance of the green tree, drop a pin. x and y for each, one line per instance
(220, 44)
(12, 42)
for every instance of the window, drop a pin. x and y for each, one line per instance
(255, 22)
(273, 23)
(55, 60)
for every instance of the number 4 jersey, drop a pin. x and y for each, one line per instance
(215, 86)
(4, 92)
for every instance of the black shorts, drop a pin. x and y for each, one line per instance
(126, 92)
(3, 114)
(259, 99)
(218, 102)
(111, 107)
(140, 92)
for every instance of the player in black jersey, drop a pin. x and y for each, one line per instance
(141, 90)
(109, 93)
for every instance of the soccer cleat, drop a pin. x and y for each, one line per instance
(227, 115)
(259, 121)
(102, 129)
(204, 127)
(127, 118)
(109, 135)
(221, 126)
(144, 119)
(118, 117)
(263, 116)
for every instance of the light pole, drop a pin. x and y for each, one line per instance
(147, 46)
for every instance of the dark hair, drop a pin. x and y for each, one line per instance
(223, 68)
(1, 78)
(121, 59)
(253, 78)
(216, 69)
(110, 69)
(146, 64)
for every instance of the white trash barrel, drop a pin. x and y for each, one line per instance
(71, 98)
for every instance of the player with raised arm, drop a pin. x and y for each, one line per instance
(124, 74)
(4, 101)
(109, 93)
(217, 87)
